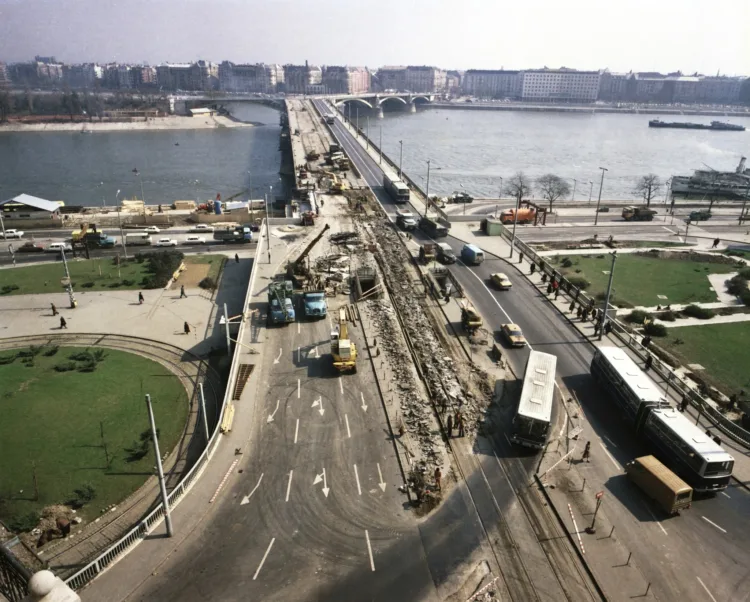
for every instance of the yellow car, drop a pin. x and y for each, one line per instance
(513, 335)
(501, 281)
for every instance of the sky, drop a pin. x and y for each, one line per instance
(622, 35)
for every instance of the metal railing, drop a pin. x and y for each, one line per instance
(143, 528)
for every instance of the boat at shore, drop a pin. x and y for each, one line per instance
(717, 126)
(713, 183)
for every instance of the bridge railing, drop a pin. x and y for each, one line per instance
(143, 528)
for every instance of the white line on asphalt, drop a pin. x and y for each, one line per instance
(369, 549)
(296, 431)
(612, 443)
(656, 520)
(260, 566)
(356, 476)
(298, 388)
(714, 524)
(670, 230)
(348, 432)
(223, 481)
(704, 587)
(246, 499)
(382, 483)
(725, 494)
(299, 354)
(298, 327)
(341, 386)
(289, 485)
(610, 456)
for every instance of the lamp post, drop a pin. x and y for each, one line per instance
(268, 226)
(119, 222)
(591, 190)
(367, 133)
(601, 185)
(515, 222)
(501, 189)
(69, 286)
(400, 157)
(573, 196)
(605, 319)
(357, 122)
(159, 468)
(143, 196)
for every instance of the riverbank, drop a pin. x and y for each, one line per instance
(552, 108)
(153, 123)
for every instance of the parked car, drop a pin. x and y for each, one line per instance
(513, 334)
(152, 229)
(30, 247)
(501, 281)
(201, 228)
(195, 240)
(166, 242)
(56, 247)
(12, 233)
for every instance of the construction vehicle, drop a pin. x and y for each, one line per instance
(280, 306)
(240, 234)
(526, 215)
(445, 253)
(432, 228)
(470, 318)
(334, 148)
(308, 218)
(343, 163)
(427, 252)
(90, 237)
(297, 267)
(314, 304)
(638, 214)
(344, 352)
(701, 215)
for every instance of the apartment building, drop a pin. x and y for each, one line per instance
(4, 76)
(346, 80)
(256, 78)
(560, 85)
(86, 75)
(417, 79)
(492, 83)
(303, 79)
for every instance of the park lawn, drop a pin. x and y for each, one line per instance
(53, 421)
(722, 349)
(85, 274)
(639, 280)
(215, 261)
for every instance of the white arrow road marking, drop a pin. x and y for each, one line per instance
(356, 476)
(341, 386)
(369, 550)
(270, 416)
(276, 361)
(316, 351)
(382, 483)
(322, 477)
(318, 403)
(296, 431)
(348, 432)
(364, 407)
(289, 485)
(260, 566)
(246, 499)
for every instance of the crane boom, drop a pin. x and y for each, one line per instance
(309, 247)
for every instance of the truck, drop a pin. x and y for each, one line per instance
(659, 483)
(428, 252)
(526, 215)
(343, 350)
(393, 185)
(461, 197)
(239, 234)
(12, 233)
(432, 228)
(445, 254)
(280, 306)
(334, 148)
(472, 254)
(92, 238)
(701, 215)
(405, 220)
(314, 304)
(637, 214)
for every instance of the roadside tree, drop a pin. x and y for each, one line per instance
(518, 186)
(648, 186)
(552, 187)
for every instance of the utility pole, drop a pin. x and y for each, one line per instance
(605, 319)
(357, 122)
(501, 189)
(592, 529)
(119, 221)
(2, 223)
(226, 329)
(515, 222)
(159, 468)
(687, 228)
(203, 411)
(268, 230)
(601, 185)
(367, 133)
(742, 213)
(591, 190)
(573, 196)
(400, 157)
(69, 286)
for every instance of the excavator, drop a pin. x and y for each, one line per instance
(297, 267)
(343, 350)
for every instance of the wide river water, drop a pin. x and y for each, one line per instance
(470, 148)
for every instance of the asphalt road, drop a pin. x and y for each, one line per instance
(674, 553)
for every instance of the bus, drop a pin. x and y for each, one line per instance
(660, 484)
(137, 238)
(692, 454)
(395, 187)
(532, 420)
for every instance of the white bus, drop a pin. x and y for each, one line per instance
(532, 420)
(395, 187)
(137, 238)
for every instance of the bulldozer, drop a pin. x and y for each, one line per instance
(343, 350)
(470, 318)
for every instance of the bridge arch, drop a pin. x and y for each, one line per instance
(420, 100)
(359, 100)
(382, 101)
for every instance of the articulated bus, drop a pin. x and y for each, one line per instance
(682, 446)
(532, 420)
(395, 187)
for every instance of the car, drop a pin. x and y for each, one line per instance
(201, 228)
(12, 233)
(195, 240)
(501, 281)
(166, 242)
(152, 230)
(56, 247)
(30, 247)
(513, 334)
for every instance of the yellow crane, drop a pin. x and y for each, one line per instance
(343, 350)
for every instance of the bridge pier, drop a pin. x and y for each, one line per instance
(380, 113)
(411, 107)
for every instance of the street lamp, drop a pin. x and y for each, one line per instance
(143, 197)
(400, 157)
(427, 188)
(573, 196)
(500, 198)
(605, 319)
(159, 468)
(268, 226)
(601, 184)
(367, 133)
(119, 221)
(591, 190)
(381, 145)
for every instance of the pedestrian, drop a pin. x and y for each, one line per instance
(236, 258)
(187, 328)
(520, 258)
(555, 285)
(572, 306)
(557, 293)
(586, 452)
(579, 312)
(460, 425)
(438, 476)
(63, 323)
(182, 291)
(54, 309)
(449, 426)
(532, 268)
(597, 329)
(649, 362)
(683, 403)
(646, 341)
(447, 298)
(716, 243)
(140, 298)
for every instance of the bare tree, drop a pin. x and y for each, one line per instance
(648, 186)
(518, 186)
(552, 187)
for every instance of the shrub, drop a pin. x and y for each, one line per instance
(668, 316)
(81, 496)
(745, 273)
(736, 285)
(81, 356)
(655, 330)
(22, 524)
(638, 316)
(160, 267)
(579, 281)
(32, 351)
(128, 282)
(567, 263)
(8, 359)
(745, 297)
(65, 367)
(208, 284)
(696, 311)
(8, 288)
(88, 366)
(115, 284)
(51, 351)
(87, 285)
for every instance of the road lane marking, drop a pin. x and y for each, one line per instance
(322, 477)
(341, 386)
(289, 485)
(617, 466)
(299, 355)
(298, 388)
(278, 357)
(270, 416)
(246, 499)
(318, 403)
(710, 595)
(714, 524)
(223, 481)
(725, 494)
(364, 406)
(260, 566)
(298, 327)
(382, 482)
(656, 520)
(369, 550)
(356, 476)
(296, 431)
(348, 432)
(612, 443)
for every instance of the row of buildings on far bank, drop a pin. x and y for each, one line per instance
(533, 85)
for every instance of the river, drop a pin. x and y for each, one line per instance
(476, 148)
(89, 169)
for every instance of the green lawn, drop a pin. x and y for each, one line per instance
(53, 420)
(639, 280)
(722, 349)
(216, 262)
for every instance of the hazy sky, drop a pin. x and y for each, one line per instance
(643, 35)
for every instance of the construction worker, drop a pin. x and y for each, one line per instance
(460, 423)
(586, 452)
(438, 476)
(449, 426)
